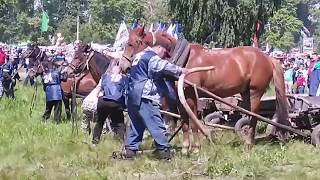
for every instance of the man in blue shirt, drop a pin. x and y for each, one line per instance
(146, 75)
(315, 78)
(52, 86)
(8, 78)
(112, 84)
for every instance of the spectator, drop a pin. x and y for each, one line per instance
(288, 78)
(52, 86)
(314, 78)
(301, 82)
(2, 57)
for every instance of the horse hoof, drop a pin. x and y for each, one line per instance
(184, 151)
(195, 150)
(248, 147)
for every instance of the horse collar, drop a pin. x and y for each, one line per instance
(40, 54)
(89, 58)
(154, 39)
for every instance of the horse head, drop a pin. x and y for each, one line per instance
(78, 63)
(86, 59)
(35, 57)
(139, 40)
(34, 54)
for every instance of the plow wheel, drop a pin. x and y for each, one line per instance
(214, 118)
(315, 136)
(242, 126)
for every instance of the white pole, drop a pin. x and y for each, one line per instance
(268, 45)
(78, 26)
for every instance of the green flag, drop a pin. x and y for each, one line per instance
(44, 22)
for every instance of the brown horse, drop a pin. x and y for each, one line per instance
(90, 62)
(244, 70)
(86, 79)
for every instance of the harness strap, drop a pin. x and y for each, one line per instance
(154, 39)
(89, 58)
(40, 54)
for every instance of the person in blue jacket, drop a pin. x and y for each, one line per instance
(8, 76)
(145, 82)
(59, 57)
(315, 78)
(51, 80)
(112, 103)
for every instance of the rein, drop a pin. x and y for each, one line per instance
(75, 67)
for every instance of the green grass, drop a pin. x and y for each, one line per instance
(32, 149)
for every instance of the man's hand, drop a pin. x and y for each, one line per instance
(185, 71)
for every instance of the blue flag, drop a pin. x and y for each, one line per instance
(134, 24)
(176, 31)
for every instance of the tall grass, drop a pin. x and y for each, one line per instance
(32, 149)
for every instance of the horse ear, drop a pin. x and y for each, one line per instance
(141, 32)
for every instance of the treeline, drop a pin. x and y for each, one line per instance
(220, 23)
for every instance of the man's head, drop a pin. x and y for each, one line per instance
(161, 50)
(314, 56)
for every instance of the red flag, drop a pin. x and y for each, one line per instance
(255, 38)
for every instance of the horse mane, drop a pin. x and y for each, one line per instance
(167, 39)
(168, 36)
(102, 62)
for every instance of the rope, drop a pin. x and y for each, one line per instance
(74, 108)
(34, 97)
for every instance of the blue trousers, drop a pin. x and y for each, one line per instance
(301, 90)
(147, 115)
(314, 82)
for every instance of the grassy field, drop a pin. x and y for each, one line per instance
(32, 149)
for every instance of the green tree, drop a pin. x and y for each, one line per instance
(155, 10)
(227, 23)
(315, 14)
(106, 16)
(15, 22)
(283, 27)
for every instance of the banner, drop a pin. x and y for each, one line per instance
(37, 4)
(122, 36)
(306, 30)
(44, 22)
(307, 45)
(173, 30)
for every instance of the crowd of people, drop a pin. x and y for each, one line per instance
(301, 74)
(9, 60)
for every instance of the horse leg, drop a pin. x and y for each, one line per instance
(195, 148)
(255, 99)
(187, 124)
(66, 103)
(170, 122)
(246, 104)
(185, 130)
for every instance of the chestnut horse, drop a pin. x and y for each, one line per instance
(90, 62)
(241, 70)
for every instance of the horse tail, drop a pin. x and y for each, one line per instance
(281, 98)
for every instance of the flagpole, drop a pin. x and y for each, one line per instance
(78, 26)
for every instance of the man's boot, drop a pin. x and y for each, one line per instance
(163, 154)
(129, 154)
